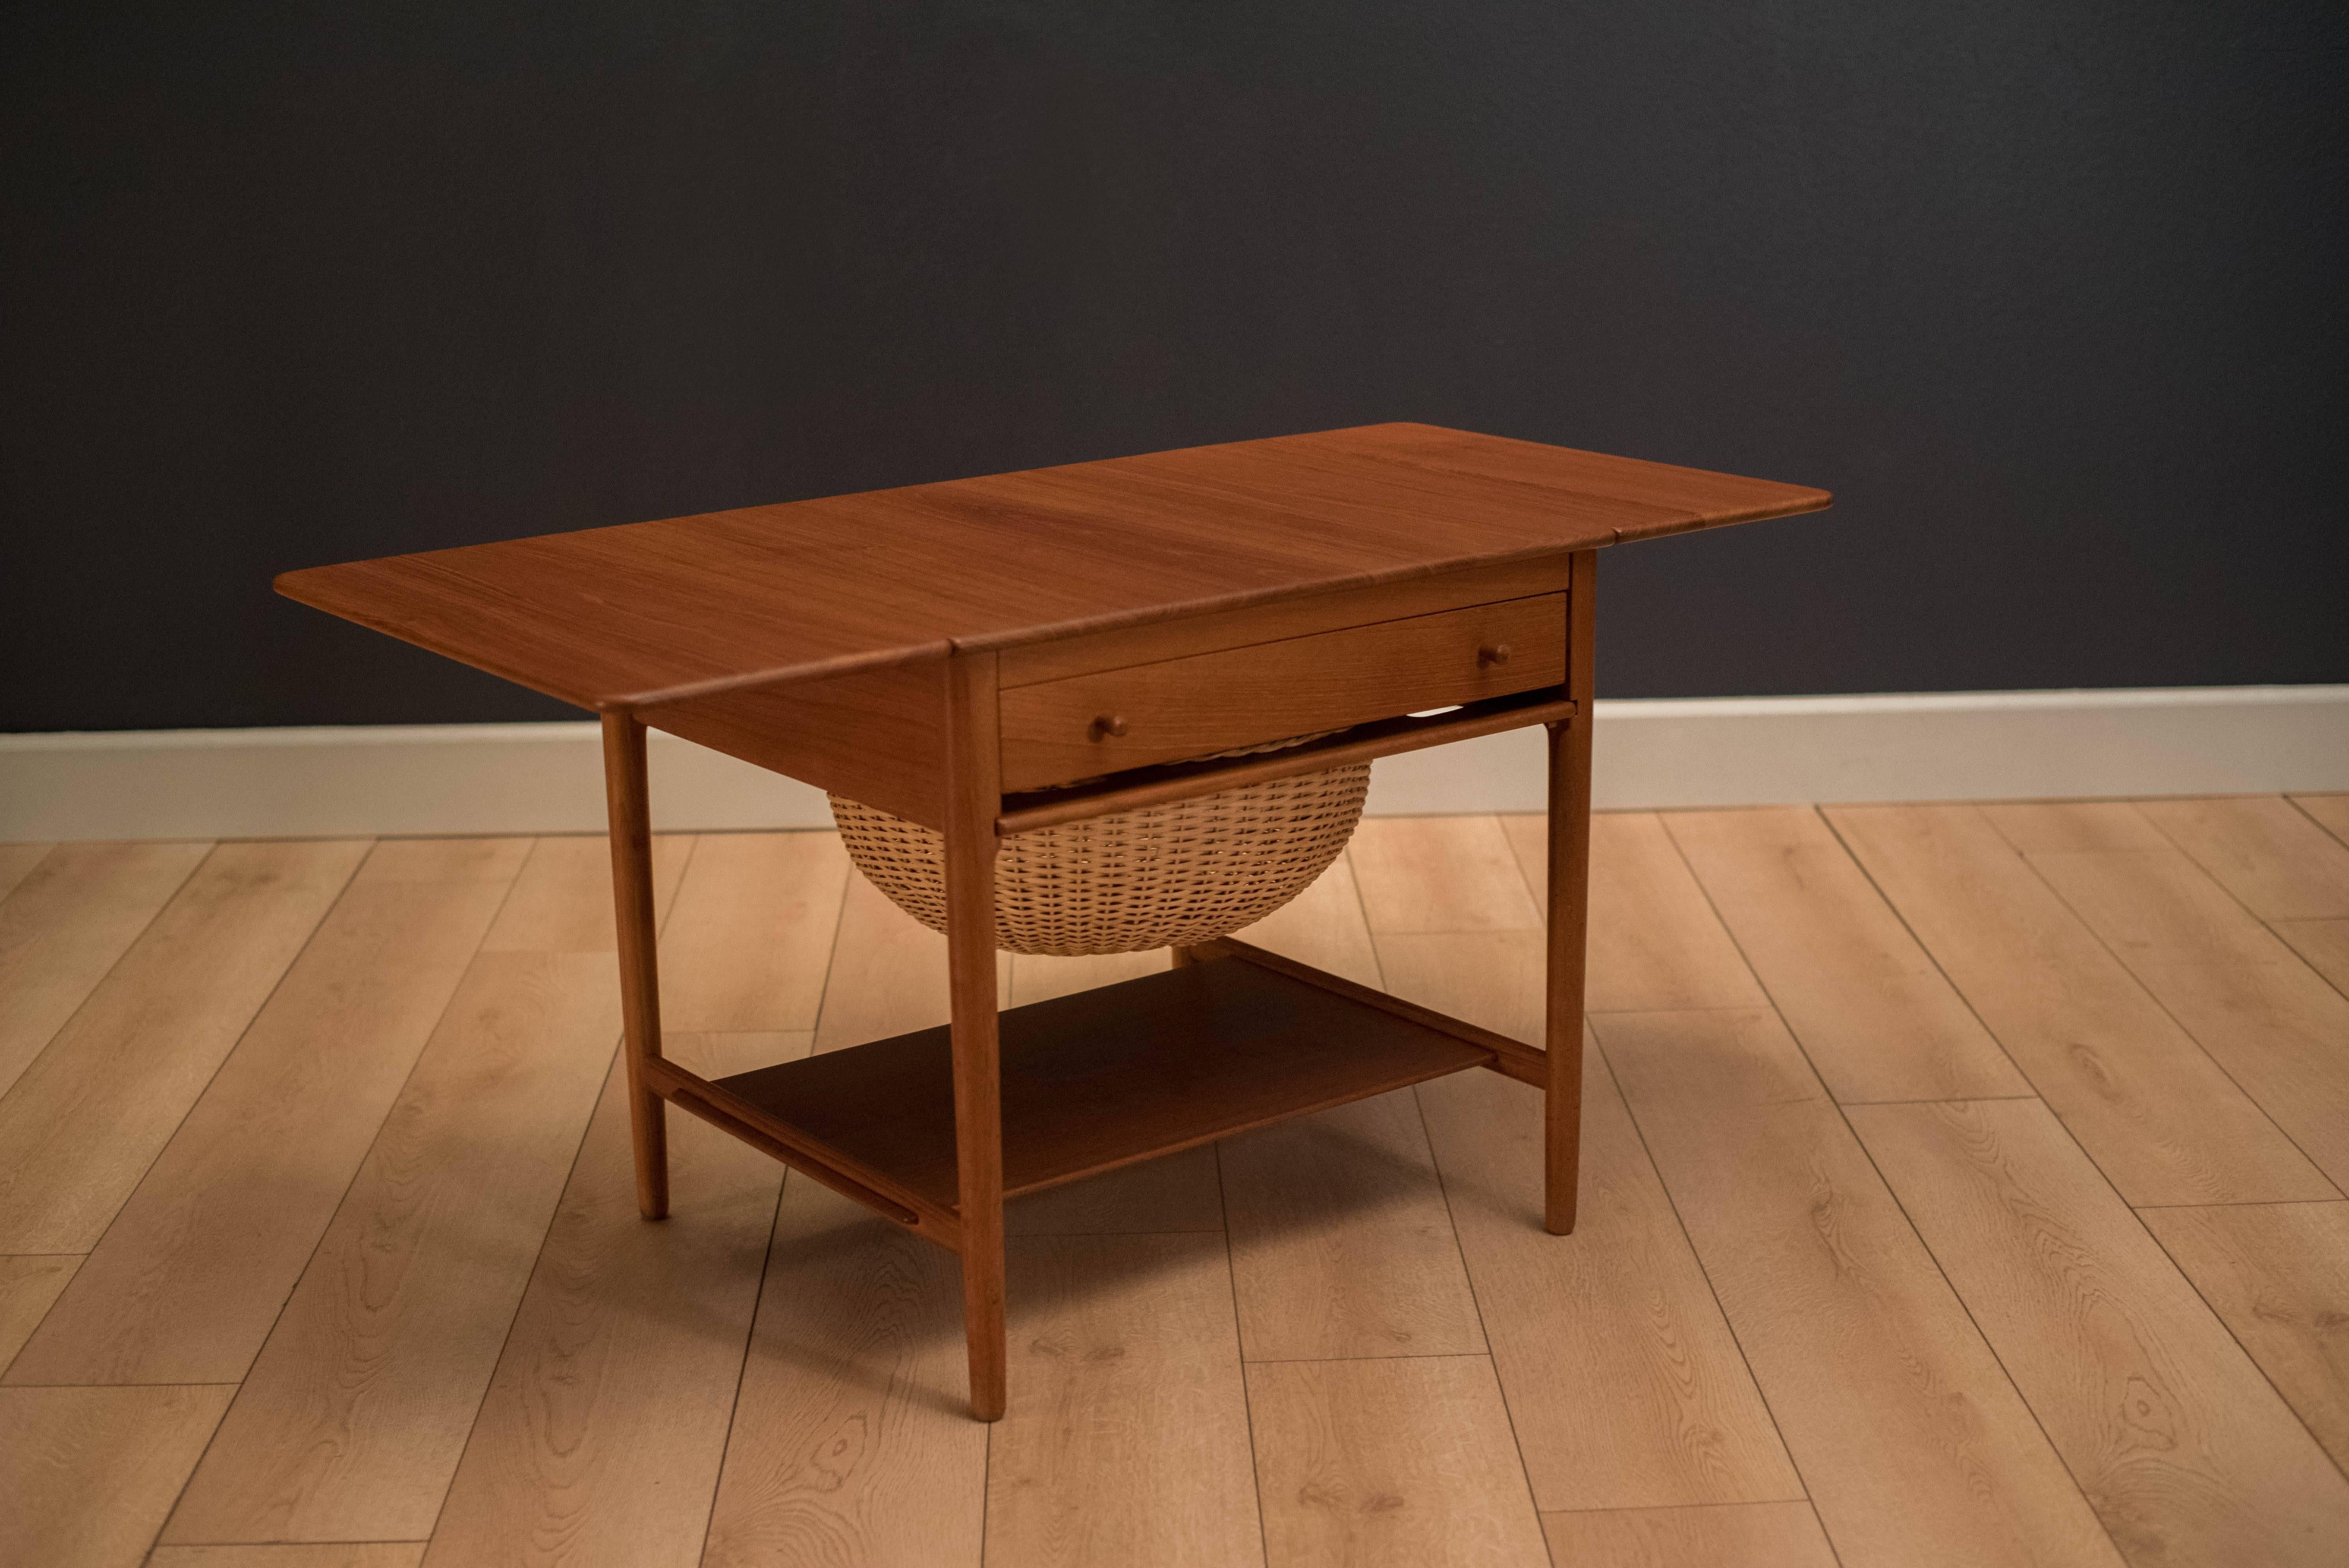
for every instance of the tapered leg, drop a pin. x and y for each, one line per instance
(1569, 896)
(1184, 957)
(974, 800)
(625, 798)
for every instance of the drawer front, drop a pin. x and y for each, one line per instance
(1056, 730)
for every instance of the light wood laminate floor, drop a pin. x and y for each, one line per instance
(1962, 1184)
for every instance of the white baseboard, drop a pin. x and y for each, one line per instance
(1745, 751)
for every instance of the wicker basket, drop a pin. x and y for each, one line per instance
(1175, 875)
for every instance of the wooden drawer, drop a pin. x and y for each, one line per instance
(1056, 730)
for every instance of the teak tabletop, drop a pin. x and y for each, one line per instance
(650, 612)
(991, 657)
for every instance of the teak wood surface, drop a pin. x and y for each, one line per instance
(933, 650)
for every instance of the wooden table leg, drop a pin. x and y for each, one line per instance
(1570, 900)
(628, 802)
(974, 800)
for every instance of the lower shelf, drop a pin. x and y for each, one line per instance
(1108, 1076)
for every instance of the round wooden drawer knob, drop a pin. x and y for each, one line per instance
(1108, 727)
(1492, 653)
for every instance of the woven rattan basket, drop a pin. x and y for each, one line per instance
(1173, 875)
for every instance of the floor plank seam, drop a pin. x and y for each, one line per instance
(1843, 1115)
(2294, 801)
(2216, 1315)
(830, 961)
(2275, 929)
(742, 1368)
(2212, 1307)
(233, 1384)
(1468, 1277)
(2254, 858)
(1958, 991)
(1247, 1398)
(1967, 1307)
(2265, 924)
(1930, 956)
(1444, 1189)
(758, 1298)
(1343, 1360)
(1935, 1100)
(2207, 1054)
(1712, 1291)
(570, 1174)
(370, 1541)
(2240, 1203)
(1735, 946)
(179, 1494)
(1677, 1507)
(356, 1170)
(268, 997)
(1103, 1235)
(1635, 1011)
(222, 1065)
(149, 924)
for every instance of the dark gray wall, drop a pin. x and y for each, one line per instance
(2049, 291)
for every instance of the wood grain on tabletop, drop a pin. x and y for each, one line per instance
(2185, 1450)
(851, 1441)
(351, 1420)
(619, 616)
(88, 1116)
(1624, 1383)
(2278, 1276)
(194, 1271)
(86, 1474)
(1748, 1535)
(1389, 1464)
(2264, 850)
(1913, 1444)
(2148, 1104)
(600, 1438)
(1673, 952)
(1875, 1016)
(2274, 1025)
(1137, 1333)
(28, 1286)
(71, 915)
